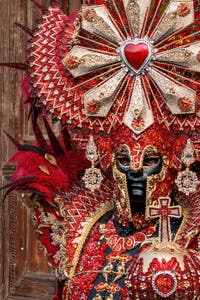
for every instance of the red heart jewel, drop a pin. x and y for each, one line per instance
(136, 54)
(164, 283)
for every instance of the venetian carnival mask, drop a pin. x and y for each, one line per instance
(134, 180)
(138, 168)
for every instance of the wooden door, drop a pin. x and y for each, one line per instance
(24, 271)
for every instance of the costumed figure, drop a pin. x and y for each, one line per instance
(117, 195)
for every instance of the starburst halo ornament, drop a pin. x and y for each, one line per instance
(132, 62)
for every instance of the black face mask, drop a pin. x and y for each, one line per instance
(137, 179)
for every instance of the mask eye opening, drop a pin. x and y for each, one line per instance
(123, 160)
(152, 163)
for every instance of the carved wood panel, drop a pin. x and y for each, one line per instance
(24, 271)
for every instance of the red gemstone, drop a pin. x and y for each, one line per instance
(165, 283)
(93, 107)
(90, 14)
(72, 62)
(185, 104)
(183, 8)
(138, 123)
(136, 54)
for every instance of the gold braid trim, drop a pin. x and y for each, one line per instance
(182, 225)
(81, 244)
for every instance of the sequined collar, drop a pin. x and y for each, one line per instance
(120, 244)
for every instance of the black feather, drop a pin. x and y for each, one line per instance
(15, 65)
(39, 6)
(66, 139)
(31, 148)
(39, 136)
(56, 146)
(24, 28)
(13, 140)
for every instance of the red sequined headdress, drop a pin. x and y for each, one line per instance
(124, 65)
